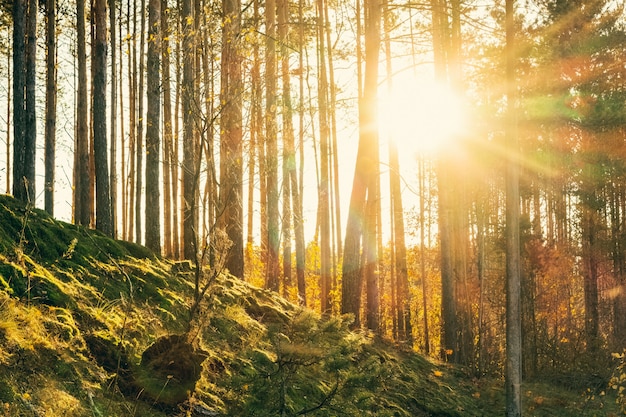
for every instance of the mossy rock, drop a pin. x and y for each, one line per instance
(169, 370)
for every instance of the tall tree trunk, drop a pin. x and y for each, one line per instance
(30, 129)
(51, 106)
(590, 254)
(366, 158)
(513, 374)
(153, 125)
(422, 218)
(168, 195)
(231, 177)
(19, 98)
(122, 173)
(132, 104)
(190, 221)
(103, 196)
(273, 238)
(450, 342)
(8, 108)
(324, 186)
(139, 139)
(82, 202)
(175, 173)
(289, 156)
(398, 243)
(255, 138)
(113, 118)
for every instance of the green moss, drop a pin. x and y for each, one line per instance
(6, 392)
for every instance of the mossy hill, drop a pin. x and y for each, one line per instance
(91, 326)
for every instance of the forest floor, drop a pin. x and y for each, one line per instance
(96, 327)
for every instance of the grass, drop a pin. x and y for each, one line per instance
(77, 309)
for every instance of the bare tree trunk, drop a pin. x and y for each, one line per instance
(289, 159)
(422, 184)
(273, 240)
(513, 374)
(139, 140)
(51, 106)
(297, 181)
(332, 119)
(19, 98)
(362, 186)
(9, 101)
(450, 339)
(113, 118)
(153, 124)
(255, 138)
(122, 174)
(81, 168)
(27, 181)
(103, 196)
(324, 187)
(190, 221)
(168, 196)
(177, 225)
(231, 177)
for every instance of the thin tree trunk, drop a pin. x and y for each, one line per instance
(19, 98)
(132, 80)
(139, 140)
(30, 129)
(450, 342)
(176, 225)
(190, 222)
(273, 238)
(255, 134)
(122, 175)
(324, 187)
(153, 124)
(51, 106)
(9, 101)
(332, 118)
(81, 168)
(422, 184)
(513, 374)
(113, 118)
(289, 160)
(168, 196)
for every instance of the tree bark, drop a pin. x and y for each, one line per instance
(139, 139)
(113, 118)
(82, 201)
(51, 106)
(168, 195)
(190, 221)
(19, 98)
(103, 196)
(324, 186)
(513, 374)
(366, 158)
(30, 128)
(231, 177)
(273, 239)
(153, 124)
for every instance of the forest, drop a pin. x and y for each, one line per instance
(449, 174)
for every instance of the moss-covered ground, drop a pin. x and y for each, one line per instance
(78, 310)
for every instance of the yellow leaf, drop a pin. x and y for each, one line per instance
(438, 373)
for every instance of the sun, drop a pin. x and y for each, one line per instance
(421, 116)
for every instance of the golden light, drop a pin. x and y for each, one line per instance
(420, 116)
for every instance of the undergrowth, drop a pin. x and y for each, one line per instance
(78, 311)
